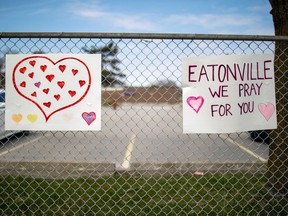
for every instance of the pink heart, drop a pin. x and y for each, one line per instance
(89, 117)
(37, 84)
(266, 110)
(195, 102)
(50, 74)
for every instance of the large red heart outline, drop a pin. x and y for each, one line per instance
(51, 85)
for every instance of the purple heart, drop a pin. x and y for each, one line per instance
(89, 117)
(37, 84)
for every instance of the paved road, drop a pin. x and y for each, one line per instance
(132, 134)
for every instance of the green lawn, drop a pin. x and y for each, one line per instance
(128, 195)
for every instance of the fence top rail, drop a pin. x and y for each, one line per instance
(141, 36)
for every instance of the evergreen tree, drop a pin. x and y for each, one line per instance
(111, 74)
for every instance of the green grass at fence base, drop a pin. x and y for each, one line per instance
(129, 195)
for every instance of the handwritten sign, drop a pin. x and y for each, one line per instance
(225, 94)
(53, 92)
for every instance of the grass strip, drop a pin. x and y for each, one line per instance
(129, 195)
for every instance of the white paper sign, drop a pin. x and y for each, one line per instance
(225, 94)
(53, 92)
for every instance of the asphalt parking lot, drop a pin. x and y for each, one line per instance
(135, 133)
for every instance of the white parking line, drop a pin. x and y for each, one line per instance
(128, 153)
(225, 137)
(20, 146)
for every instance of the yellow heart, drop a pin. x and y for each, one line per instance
(17, 117)
(32, 117)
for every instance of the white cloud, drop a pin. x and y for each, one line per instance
(212, 20)
(90, 13)
(118, 20)
(260, 8)
(260, 31)
(231, 22)
(134, 22)
(22, 8)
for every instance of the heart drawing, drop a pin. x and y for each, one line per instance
(51, 85)
(17, 117)
(195, 102)
(266, 110)
(89, 117)
(32, 118)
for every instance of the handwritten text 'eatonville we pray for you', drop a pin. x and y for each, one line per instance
(249, 77)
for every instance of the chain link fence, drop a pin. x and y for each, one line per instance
(141, 163)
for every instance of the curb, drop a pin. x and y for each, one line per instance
(58, 170)
(192, 168)
(62, 170)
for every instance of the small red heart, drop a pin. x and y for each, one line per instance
(46, 90)
(31, 75)
(61, 84)
(50, 77)
(32, 63)
(62, 67)
(72, 93)
(47, 104)
(22, 70)
(57, 97)
(23, 84)
(74, 71)
(43, 67)
(34, 94)
(82, 82)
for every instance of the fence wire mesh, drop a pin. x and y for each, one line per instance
(141, 163)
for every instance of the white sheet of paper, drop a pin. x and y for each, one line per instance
(226, 94)
(53, 92)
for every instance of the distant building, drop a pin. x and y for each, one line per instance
(152, 94)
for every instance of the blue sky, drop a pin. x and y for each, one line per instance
(148, 16)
